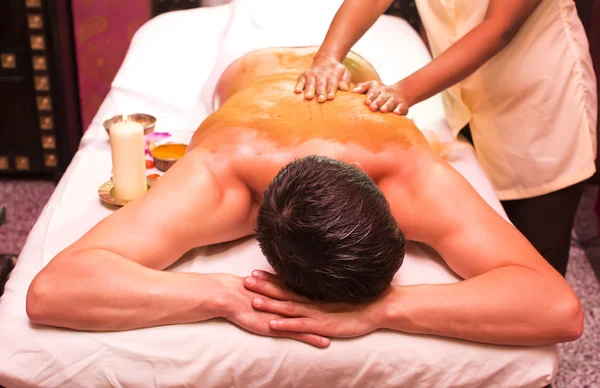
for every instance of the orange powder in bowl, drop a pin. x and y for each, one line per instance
(169, 151)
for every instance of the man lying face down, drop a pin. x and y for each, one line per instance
(327, 231)
(331, 191)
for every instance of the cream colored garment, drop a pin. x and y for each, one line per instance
(533, 107)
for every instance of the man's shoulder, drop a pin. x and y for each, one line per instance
(411, 166)
(221, 166)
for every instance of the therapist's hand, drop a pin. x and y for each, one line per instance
(304, 316)
(323, 79)
(234, 303)
(383, 98)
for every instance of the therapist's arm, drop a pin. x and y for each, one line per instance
(350, 23)
(502, 22)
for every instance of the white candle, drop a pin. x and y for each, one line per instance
(128, 159)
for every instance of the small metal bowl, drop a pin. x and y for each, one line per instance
(163, 164)
(147, 121)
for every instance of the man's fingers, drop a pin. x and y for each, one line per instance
(309, 87)
(271, 290)
(389, 105)
(280, 307)
(321, 88)
(300, 325)
(311, 339)
(300, 84)
(361, 88)
(264, 275)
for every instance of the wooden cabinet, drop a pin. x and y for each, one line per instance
(39, 107)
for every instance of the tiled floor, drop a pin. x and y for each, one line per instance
(579, 360)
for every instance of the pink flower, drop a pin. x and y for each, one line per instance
(152, 138)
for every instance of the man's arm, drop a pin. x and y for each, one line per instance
(111, 278)
(510, 294)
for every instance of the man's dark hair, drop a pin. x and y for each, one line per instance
(327, 231)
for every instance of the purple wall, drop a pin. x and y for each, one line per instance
(103, 30)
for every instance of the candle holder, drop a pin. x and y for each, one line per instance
(147, 121)
(106, 192)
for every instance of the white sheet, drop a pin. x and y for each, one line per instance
(193, 47)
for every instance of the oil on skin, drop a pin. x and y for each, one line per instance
(256, 99)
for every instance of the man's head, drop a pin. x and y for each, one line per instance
(327, 231)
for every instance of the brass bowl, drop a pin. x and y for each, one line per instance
(147, 121)
(163, 164)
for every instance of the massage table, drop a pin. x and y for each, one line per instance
(170, 71)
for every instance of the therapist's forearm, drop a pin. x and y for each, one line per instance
(455, 64)
(484, 309)
(350, 23)
(99, 291)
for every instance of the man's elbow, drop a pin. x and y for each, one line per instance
(569, 316)
(37, 305)
(49, 290)
(51, 294)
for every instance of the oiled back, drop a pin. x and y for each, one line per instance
(259, 105)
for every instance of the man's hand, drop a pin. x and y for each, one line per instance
(236, 305)
(383, 98)
(304, 316)
(325, 77)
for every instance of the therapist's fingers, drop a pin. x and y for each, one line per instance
(372, 95)
(389, 105)
(401, 109)
(321, 87)
(378, 102)
(309, 88)
(300, 84)
(361, 88)
(332, 87)
(345, 80)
